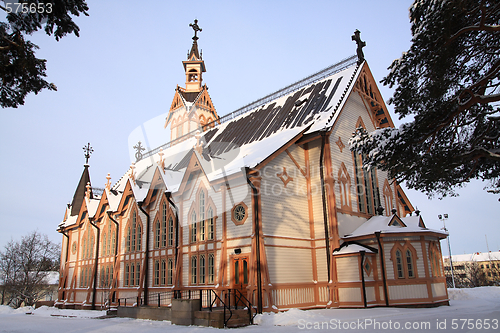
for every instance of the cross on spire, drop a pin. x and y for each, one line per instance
(196, 28)
(88, 150)
(359, 51)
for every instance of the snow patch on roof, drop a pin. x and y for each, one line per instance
(92, 205)
(352, 248)
(381, 223)
(478, 256)
(113, 200)
(71, 220)
(309, 109)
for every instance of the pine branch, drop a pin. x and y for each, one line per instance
(481, 27)
(479, 152)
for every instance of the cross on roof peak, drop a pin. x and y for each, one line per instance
(359, 51)
(88, 150)
(196, 28)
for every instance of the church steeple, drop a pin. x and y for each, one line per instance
(81, 189)
(194, 66)
(192, 108)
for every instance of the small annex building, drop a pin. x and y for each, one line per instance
(267, 200)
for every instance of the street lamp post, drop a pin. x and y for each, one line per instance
(444, 218)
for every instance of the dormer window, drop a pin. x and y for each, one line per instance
(396, 223)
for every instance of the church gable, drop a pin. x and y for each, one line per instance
(156, 189)
(102, 207)
(126, 198)
(177, 103)
(192, 172)
(204, 102)
(367, 88)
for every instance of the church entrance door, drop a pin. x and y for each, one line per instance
(240, 266)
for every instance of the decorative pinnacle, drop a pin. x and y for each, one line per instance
(87, 193)
(132, 171)
(108, 182)
(88, 151)
(196, 28)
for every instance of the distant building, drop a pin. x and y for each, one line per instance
(47, 294)
(473, 270)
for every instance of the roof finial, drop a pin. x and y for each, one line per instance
(359, 51)
(88, 192)
(132, 171)
(196, 28)
(199, 145)
(108, 182)
(88, 151)
(161, 162)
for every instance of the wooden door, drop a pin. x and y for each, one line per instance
(240, 267)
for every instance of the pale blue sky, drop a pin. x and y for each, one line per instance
(122, 71)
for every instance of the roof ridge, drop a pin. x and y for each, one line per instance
(322, 74)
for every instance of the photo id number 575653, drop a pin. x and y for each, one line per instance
(474, 324)
(28, 8)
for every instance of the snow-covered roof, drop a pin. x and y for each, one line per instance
(113, 200)
(247, 140)
(71, 220)
(391, 224)
(352, 248)
(478, 256)
(92, 205)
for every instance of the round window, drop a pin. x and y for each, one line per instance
(239, 213)
(73, 248)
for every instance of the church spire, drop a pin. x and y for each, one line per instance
(81, 189)
(194, 65)
(192, 108)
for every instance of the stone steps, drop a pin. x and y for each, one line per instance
(215, 318)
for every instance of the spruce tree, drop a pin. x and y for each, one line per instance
(447, 84)
(21, 72)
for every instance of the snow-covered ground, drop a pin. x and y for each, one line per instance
(470, 310)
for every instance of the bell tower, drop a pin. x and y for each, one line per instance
(192, 108)
(194, 66)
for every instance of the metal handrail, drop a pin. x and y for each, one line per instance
(195, 294)
(224, 304)
(249, 306)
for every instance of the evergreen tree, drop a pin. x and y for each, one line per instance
(447, 83)
(21, 72)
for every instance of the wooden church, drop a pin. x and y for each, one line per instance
(267, 202)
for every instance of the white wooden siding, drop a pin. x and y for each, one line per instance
(370, 294)
(344, 128)
(321, 263)
(348, 223)
(408, 291)
(290, 296)
(349, 295)
(438, 289)
(284, 209)
(289, 265)
(348, 269)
